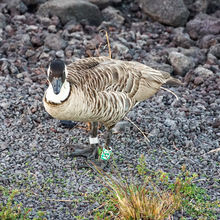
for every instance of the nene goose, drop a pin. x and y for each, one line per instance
(99, 89)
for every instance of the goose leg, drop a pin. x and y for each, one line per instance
(94, 141)
(94, 130)
(90, 152)
(108, 138)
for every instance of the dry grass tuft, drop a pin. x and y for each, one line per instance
(139, 202)
(144, 201)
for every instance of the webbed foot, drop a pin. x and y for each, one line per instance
(90, 152)
(68, 124)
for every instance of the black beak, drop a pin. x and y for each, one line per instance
(56, 84)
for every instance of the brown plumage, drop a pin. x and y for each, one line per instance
(104, 89)
(100, 89)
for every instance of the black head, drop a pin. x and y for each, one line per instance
(56, 75)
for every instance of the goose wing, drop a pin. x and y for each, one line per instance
(136, 80)
(100, 73)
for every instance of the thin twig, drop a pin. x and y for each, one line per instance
(174, 145)
(60, 200)
(97, 50)
(109, 47)
(4, 149)
(94, 210)
(168, 90)
(199, 180)
(108, 43)
(128, 119)
(212, 151)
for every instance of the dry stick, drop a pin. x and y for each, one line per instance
(128, 119)
(98, 49)
(168, 90)
(96, 208)
(212, 151)
(60, 200)
(108, 43)
(174, 145)
(109, 47)
(194, 181)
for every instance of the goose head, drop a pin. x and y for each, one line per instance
(59, 88)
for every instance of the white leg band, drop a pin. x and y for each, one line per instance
(93, 140)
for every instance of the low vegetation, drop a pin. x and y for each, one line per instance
(147, 195)
(12, 210)
(155, 195)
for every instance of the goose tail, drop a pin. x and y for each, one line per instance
(173, 82)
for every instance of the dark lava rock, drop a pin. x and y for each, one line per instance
(197, 55)
(8, 67)
(36, 40)
(67, 10)
(16, 7)
(104, 3)
(33, 2)
(208, 41)
(121, 126)
(54, 41)
(202, 25)
(216, 123)
(113, 15)
(182, 39)
(215, 50)
(213, 6)
(101, 3)
(212, 60)
(2, 20)
(45, 21)
(169, 12)
(203, 72)
(181, 63)
(196, 6)
(198, 80)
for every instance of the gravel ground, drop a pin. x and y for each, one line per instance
(33, 152)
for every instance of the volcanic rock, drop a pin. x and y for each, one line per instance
(2, 21)
(202, 25)
(182, 39)
(168, 12)
(113, 15)
(16, 7)
(67, 10)
(33, 2)
(54, 42)
(181, 63)
(215, 50)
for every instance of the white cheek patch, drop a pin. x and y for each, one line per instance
(64, 93)
(66, 71)
(48, 71)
